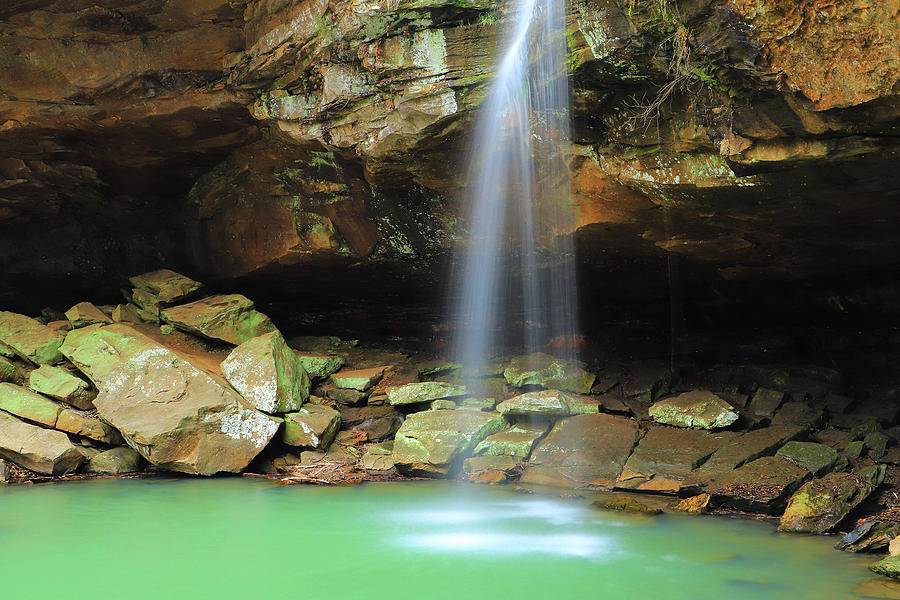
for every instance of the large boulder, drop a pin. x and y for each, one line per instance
(267, 374)
(178, 415)
(38, 449)
(230, 318)
(62, 385)
(424, 391)
(549, 403)
(697, 408)
(665, 457)
(115, 461)
(433, 443)
(583, 451)
(821, 504)
(313, 426)
(549, 372)
(30, 339)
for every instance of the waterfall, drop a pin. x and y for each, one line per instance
(515, 276)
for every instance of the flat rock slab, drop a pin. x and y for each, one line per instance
(583, 451)
(549, 372)
(176, 414)
(550, 403)
(267, 374)
(84, 314)
(744, 448)
(762, 485)
(490, 469)
(37, 449)
(434, 442)
(665, 457)
(799, 413)
(358, 379)
(231, 318)
(517, 441)
(815, 458)
(821, 504)
(313, 426)
(30, 339)
(425, 391)
(60, 384)
(166, 285)
(697, 408)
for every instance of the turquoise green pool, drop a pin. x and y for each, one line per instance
(240, 538)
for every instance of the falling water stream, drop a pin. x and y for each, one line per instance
(516, 279)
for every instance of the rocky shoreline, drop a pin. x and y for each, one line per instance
(178, 380)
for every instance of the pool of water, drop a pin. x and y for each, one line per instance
(240, 538)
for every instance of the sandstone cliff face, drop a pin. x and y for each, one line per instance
(282, 138)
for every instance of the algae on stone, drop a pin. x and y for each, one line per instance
(698, 408)
(424, 391)
(548, 403)
(166, 285)
(815, 458)
(37, 449)
(358, 379)
(320, 366)
(433, 443)
(267, 374)
(84, 314)
(115, 461)
(549, 372)
(9, 372)
(231, 318)
(313, 426)
(60, 384)
(30, 339)
(822, 503)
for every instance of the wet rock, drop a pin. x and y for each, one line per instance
(29, 339)
(695, 505)
(38, 449)
(166, 286)
(762, 485)
(312, 426)
(869, 536)
(625, 503)
(358, 379)
(744, 448)
(476, 404)
(425, 391)
(815, 458)
(442, 405)
(433, 443)
(230, 318)
(175, 413)
(549, 372)
(84, 314)
(799, 413)
(516, 441)
(267, 374)
(822, 503)
(320, 366)
(764, 403)
(583, 451)
(698, 408)
(9, 372)
(548, 403)
(115, 461)
(665, 457)
(889, 567)
(62, 385)
(490, 469)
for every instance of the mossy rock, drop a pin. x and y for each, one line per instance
(267, 374)
(815, 458)
(548, 372)
(425, 391)
(30, 339)
(698, 408)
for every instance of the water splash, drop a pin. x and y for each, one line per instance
(516, 276)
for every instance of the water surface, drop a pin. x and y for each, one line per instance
(240, 538)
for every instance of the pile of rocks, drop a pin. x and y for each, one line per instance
(185, 381)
